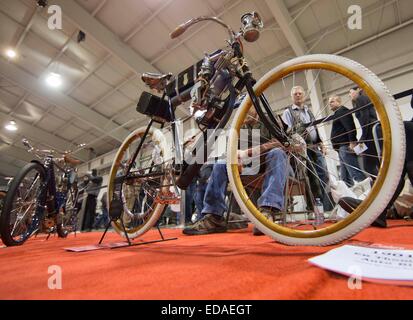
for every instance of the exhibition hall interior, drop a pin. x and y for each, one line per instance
(206, 150)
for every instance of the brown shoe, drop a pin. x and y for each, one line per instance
(256, 232)
(210, 223)
(272, 214)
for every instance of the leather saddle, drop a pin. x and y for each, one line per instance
(156, 81)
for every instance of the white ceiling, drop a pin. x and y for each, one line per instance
(96, 104)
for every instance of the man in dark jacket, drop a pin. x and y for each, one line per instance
(92, 182)
(367, 117)
(350, 204)
(344, 139)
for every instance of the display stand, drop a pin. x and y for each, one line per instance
(115, 213)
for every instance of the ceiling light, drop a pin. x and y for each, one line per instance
(54, 80)
(11, 126)
(11, 53)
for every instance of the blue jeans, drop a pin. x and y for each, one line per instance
(321, 180)
(102, 218)
(349, 168)
(320, 166)
(190, 195)
(196, 193)
(272, 193)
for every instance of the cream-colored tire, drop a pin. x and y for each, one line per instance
(155, 210)
(392, 158)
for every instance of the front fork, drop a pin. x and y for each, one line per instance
(41, 198)
(268, 120)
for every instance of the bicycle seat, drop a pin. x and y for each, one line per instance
(69, 160)
(156, 81)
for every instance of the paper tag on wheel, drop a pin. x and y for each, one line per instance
(360, 148)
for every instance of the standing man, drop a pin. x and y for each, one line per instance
(295, 116)
(367, 117)
(102, 219)
(344, 139)
(93, 183)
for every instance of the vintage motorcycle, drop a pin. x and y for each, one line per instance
(150, 168)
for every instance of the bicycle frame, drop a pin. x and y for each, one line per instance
(187, 172)
(244, 81)
(47, 199)
(211, 86)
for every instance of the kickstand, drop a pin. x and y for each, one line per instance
(115, 215)
(148, 242)
(130, 244)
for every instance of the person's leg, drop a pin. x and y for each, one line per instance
(344, 173)
(272, 191)
(189, 200)
(323, 180)
(201, 186)
(312, 174)
(381, 220)
(322, 171)
(352, 165)
(370, 159)
(105, 215)
(89, 212)
(199, 197)
(92, 214)
(214, 204)
(97, 222)
(275, 178)
(214, 200)
(85, 221)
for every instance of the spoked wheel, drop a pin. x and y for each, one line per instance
(143, 191)
(67, 217)
(21, 211)
(298, 178)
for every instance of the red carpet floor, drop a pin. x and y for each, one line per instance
(233, 265)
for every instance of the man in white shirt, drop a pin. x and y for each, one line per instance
(295, 116)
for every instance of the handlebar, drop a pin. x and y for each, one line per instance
(68, 159)
(27, 144)
(37, 152)
(250, 29)
(47, 153)
(183, 27)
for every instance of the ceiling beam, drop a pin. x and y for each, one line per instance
(31, 84)
(288, 27)
(46, 138)
(314, 39)
(109, 40)
(16, 153)
(26, 29)
(297, 43)
(8, 170)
